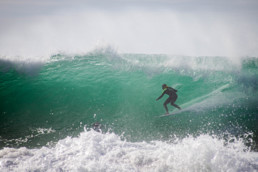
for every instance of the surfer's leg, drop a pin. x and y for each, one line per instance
(173, 100)
(165, 104)
(173, 104)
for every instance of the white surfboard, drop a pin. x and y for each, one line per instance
(176, 111)
(171, 113)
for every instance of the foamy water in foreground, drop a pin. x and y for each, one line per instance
(94, 151)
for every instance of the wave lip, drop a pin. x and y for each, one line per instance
(94, 151)
(30, 68)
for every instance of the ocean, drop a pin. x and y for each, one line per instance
(98, 112)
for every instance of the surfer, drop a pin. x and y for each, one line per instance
(171, 99)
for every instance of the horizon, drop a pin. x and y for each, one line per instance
(187, 28)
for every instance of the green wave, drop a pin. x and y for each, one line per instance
(119, 91)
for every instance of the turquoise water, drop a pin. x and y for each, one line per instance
(44, 103)
(119, 91)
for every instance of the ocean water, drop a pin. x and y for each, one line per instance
(98, 112)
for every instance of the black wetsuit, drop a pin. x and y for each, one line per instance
(171, 99)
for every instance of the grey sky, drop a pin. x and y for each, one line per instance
(184, 27)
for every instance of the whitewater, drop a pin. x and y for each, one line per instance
(97, 112)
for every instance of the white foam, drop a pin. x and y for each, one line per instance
(42, 131)
(94, 151)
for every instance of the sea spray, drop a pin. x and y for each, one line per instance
(95, 151)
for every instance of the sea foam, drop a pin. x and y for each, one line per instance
(96, 151)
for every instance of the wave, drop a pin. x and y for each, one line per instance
(119, 91)
(32, 64)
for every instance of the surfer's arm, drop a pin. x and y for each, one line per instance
(160, 96)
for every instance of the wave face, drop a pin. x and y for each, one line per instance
(47, 112)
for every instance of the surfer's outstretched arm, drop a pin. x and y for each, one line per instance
(160, 96)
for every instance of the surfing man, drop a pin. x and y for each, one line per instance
(172, 97)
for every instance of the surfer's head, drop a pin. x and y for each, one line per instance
(164, 86)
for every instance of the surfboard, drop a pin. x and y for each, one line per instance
(176, 111)
(171, 113)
